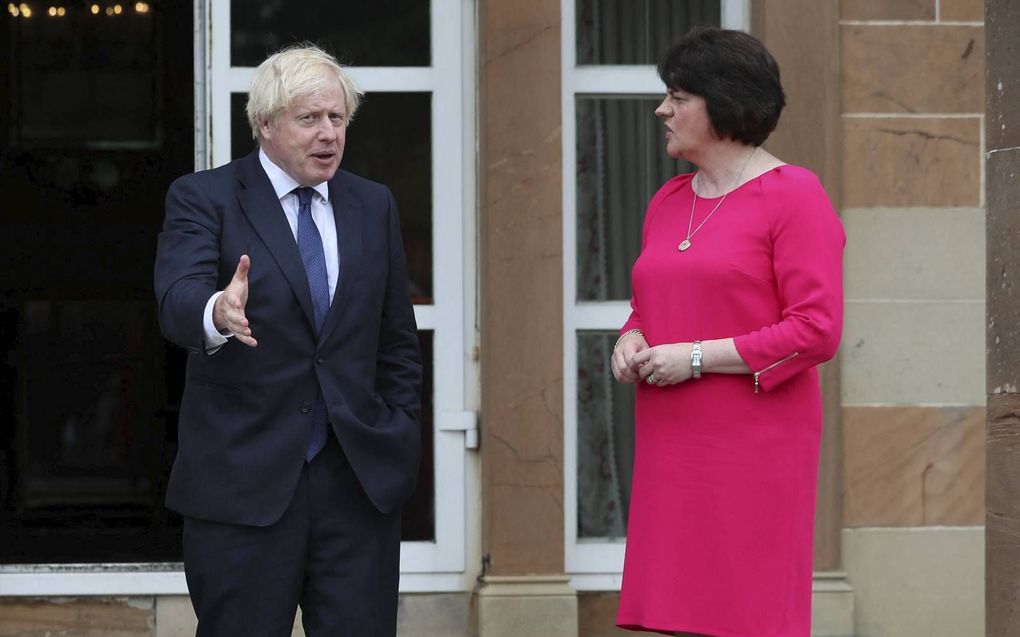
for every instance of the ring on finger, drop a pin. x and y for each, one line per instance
(651, 380)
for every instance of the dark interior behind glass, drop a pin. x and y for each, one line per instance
(377, 33)
(97, 120)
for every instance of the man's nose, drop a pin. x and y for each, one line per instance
(327, 132)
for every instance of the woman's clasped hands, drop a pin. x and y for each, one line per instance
(634, 361)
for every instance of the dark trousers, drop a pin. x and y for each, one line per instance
(332, 553)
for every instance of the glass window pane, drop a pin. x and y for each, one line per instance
(605, 440)
(72, 72)
(637, 31)
(389, 141)
(621, 163)
(378, 33)
(241, 140)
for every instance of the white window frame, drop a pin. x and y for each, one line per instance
(595, 564)
(450, 562)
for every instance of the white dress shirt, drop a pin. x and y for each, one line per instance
(322, 215)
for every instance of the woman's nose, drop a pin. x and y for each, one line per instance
(663, 110)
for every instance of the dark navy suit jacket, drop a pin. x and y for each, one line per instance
(246, 414)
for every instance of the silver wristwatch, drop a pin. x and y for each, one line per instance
(696, 359)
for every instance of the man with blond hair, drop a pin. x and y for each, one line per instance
(285, 278)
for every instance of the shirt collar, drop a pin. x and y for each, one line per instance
(284, 184)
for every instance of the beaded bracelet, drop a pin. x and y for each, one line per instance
(625, 335)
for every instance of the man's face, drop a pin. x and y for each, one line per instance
(307, 139)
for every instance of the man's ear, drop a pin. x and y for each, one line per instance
(265, 128)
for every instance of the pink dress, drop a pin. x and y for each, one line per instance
(719, 538)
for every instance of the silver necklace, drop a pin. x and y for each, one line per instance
(686, 243)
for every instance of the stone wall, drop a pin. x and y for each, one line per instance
(913, 355)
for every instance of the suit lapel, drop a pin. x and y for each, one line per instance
(262, 207)
(347, 211)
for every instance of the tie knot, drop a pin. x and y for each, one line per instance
(304, 194)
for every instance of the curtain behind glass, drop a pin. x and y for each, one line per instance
(636, 31)
(621, 163)
(605, 440)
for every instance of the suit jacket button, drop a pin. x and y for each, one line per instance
(305, 408)
(320, 360)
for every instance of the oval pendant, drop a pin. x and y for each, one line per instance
(686, 243)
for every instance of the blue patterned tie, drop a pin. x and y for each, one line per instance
(314, 258)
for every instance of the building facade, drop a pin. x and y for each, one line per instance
(519, 140)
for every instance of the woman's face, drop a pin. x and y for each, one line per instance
(688, 127)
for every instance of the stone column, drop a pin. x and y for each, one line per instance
(523, 591)
(1002, 192)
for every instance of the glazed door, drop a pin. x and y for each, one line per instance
(410, 134)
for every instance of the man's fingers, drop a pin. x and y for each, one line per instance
(247, 340)
(238, 326)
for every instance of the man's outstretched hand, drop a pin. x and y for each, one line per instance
(228, 312)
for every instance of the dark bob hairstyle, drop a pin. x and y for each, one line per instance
(737, 77)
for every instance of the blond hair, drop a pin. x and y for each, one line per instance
(298, 71)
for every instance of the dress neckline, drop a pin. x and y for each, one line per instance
(690, 182)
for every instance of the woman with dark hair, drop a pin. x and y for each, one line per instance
(737, 297)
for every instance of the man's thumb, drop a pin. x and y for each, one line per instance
(241, 274)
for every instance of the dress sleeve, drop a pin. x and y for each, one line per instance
(634, 320)
(807, 260)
